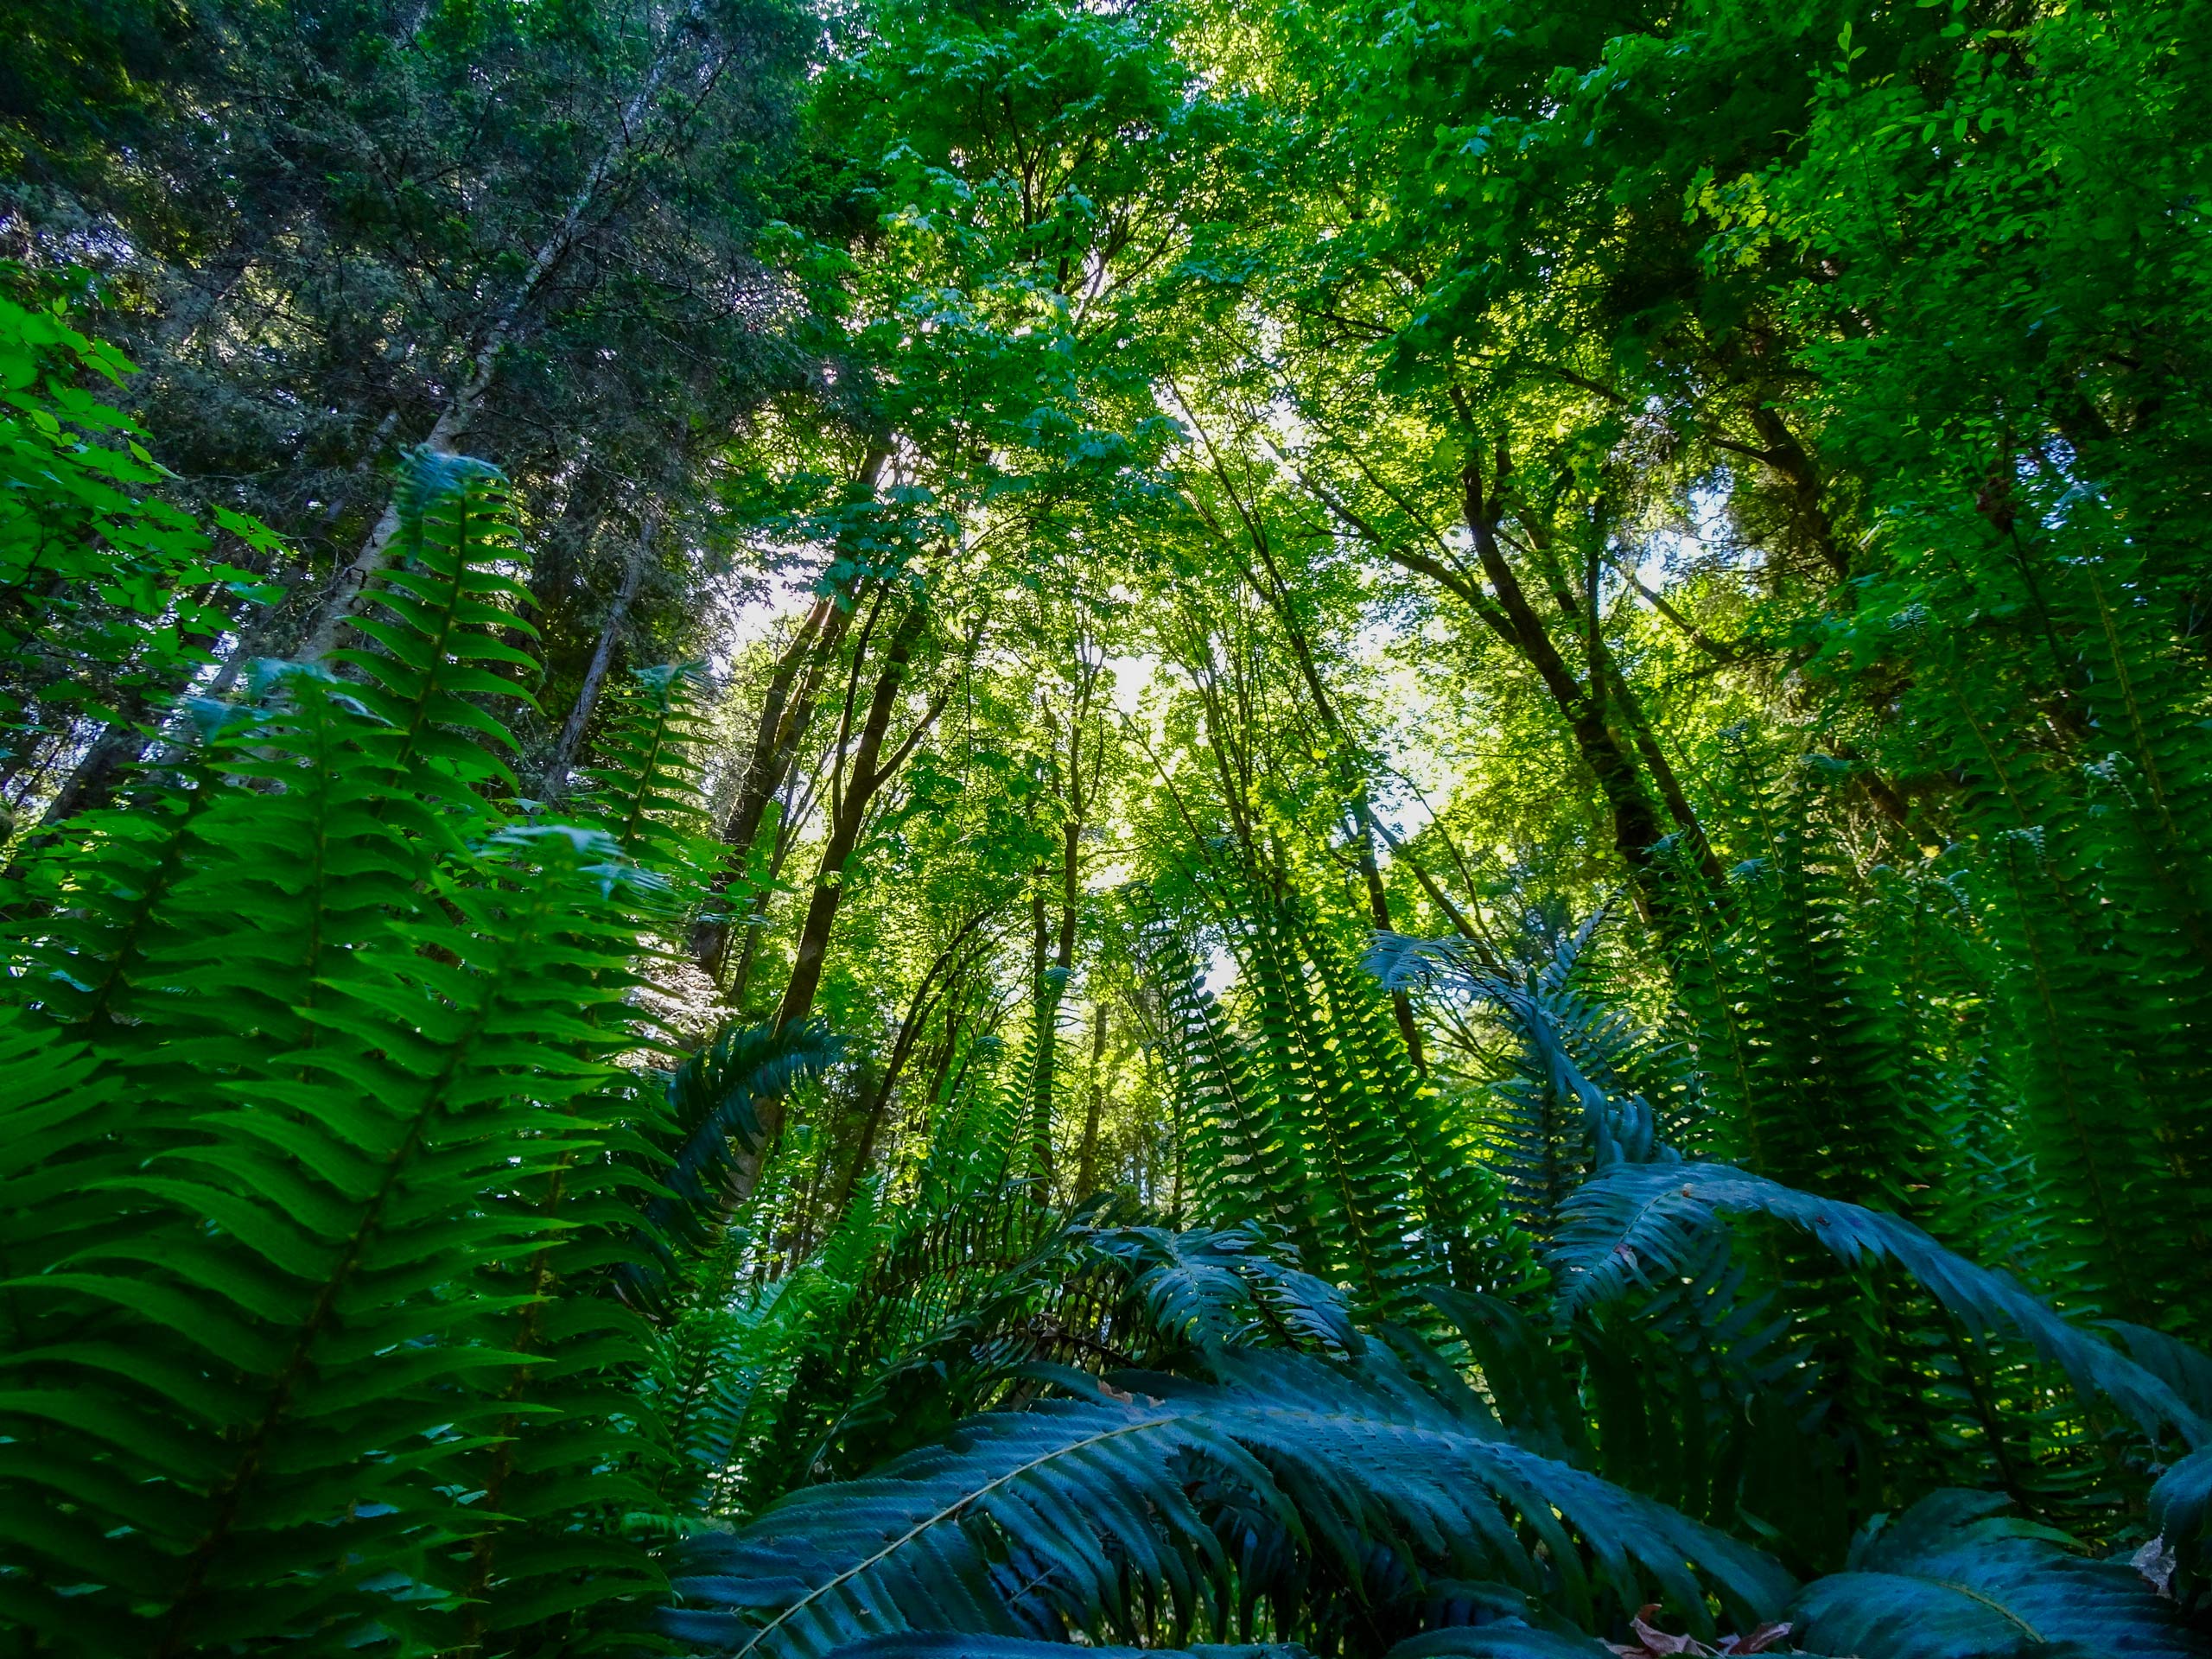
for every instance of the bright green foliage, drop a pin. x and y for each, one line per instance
(1241, 1149)
(1647, 1220)
(337, 1107)
(1569, 1106)
(106, 591)
(1046, 1095)
(1802, 1078)
(1320, 1126)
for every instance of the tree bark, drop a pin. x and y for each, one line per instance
(1086, 1166)
(786, 711)
(782, 727)
(1045, 1013)
(1636, 829)
(871, 770)
(570, 743)
(788, 824)
(92, 780)
(849, 812)
(943, 970)
(460, 410)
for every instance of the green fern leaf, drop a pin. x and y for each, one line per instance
(1499, 1641)
(1092, 1502)
(1640, 1224)
(1951, 1579)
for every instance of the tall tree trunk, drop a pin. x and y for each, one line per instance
(1044, 1043)
(786, 833)
(1636, 829)
(1086, 1164)
(944, 969)
(570, 743)
(786, 711)
(1608, 689)
(460, 410)
(848, 813)
(92, 780)
(1051, 988)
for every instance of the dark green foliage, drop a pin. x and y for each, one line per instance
(2181, 1509)
(1567, 1106)
(1953, 1579)
(938, 1645)
(714, 1100)
(107, 591)
(1503, 1639)
(1114, 1512)
(1634, 1225)
(1758, 456)
(1805, 1078)
(1317, 1124)
(327, 1126)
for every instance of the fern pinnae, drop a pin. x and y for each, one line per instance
(951, 1511)
(1952, 1579)
(1630, 1214)
(1301, 1444)
(434, 1100)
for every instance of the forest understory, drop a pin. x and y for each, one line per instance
(967, 828)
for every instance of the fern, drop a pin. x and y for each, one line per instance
(1317, 1124)
(643, 787)
(1569, 1105)
(938, 1645)
(578, 1471)
(1500, 1640)
(266, 1326)
(1217, 1291)
(1466, 1239)
(1641, 1224)
(1952, 1579)
(2073, 810)
(1106, 1511)
(1816, 1096)
(1358, 1166)
(1241, 1153)
(714, 1097)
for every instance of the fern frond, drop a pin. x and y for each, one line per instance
(1499, 1640)
(1243, 1155)
(206, 1323)
(1221, 1290)
(1570, 1107)
(644, 789)
(1093, 1505)
(441, 625)
(1640, 1224)
(278, 1325)
(1952, 1579)
(942, 1644)
(713, 1098)
(2181, 1510)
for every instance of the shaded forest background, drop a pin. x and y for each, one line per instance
(1268, 697)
